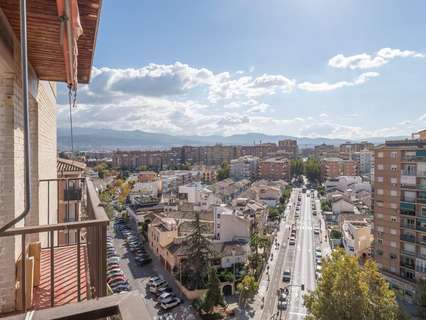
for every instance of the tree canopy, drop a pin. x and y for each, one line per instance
(421, 298)
(347, 291)
(312, 169)
(223, 172)
(198, 249)
(247, 288)
(214, 296)
(296, 166)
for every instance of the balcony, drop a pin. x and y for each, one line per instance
(126, 306)
(407, 225)
(421, 173)
(408, 253)
(408, 158)
(68, 273)
(408, 238)
(408, 173)
(407, 265)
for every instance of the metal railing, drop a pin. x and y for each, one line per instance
(409, 238)
(91, 232)
(407, 265)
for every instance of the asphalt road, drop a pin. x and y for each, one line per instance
(304, 262)
(138, 278)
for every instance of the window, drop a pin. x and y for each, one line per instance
(393, 167)
(380, 241)
(393, 205)
(423, 212)
(380, 154)
(393, 193)
(392, 244)
(393, 219)
(393, 154)
(379, 203)
(393, 256)
(380, 166)
(392, 231)
(380, 191)
(394, 180)
(379, 228)
(379, 179)
(379, 215)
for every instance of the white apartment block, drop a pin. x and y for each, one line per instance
(244, 168)
(229, 225)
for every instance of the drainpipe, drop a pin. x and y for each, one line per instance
(70, 42)
(24, 74)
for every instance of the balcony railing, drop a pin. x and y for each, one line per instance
(410, 173)
(421, 173)
(421, 228)
(407, 265)
(409, 238)
(407, 225)
(408, 158)
(408, 253)
(90, 240)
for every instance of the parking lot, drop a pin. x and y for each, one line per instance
(140, 267)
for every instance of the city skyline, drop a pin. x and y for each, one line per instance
(291, 68)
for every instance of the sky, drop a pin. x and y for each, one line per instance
(332, 68)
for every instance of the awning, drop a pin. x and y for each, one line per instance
(46, 40)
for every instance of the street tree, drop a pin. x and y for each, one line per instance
(214, 296)
(223, 172)
(198, 250)
(296, 167)
(421, 298)
(247, 288)
(347, 291)
(312, 169)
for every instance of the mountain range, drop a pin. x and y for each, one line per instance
(108, 139)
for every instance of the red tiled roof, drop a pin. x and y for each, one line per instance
(65, 277)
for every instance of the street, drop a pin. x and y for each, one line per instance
(138, 278)
(304, 264)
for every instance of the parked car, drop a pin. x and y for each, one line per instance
(153, 288)
(171, 304)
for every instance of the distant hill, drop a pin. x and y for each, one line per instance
(107, 139)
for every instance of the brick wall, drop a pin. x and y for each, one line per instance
(43, 162)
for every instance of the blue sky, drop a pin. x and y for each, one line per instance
(330, 68)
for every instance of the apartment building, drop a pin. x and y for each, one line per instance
(69, 196)
(348, 149)
(325, 151)
(366, 162)
(36, 271)
(260, 150)
(274, 169)
(244, 168)
(334, 167)
(288, 147)
(400, 211)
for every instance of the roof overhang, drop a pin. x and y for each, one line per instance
(47, 41)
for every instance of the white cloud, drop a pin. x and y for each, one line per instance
(367, 61)
(249, 87)
(325, 86)
(423, 117)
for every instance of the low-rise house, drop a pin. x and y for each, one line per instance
(161, 233)
(232, 252)
(341, 204)
(357, 238)
(230, 224)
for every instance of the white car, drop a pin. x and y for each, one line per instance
(165, 296)
(170, 304)
(318, 253)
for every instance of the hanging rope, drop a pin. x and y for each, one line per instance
(72, 97)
